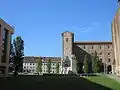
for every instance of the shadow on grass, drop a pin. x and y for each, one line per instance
(49, 83)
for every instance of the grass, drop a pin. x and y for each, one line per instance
(57, 83)
(105, 81)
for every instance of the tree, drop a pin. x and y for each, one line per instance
(95, 63)
(49, 66)
(18, 54)
(11, 59)
(39, 65)
(85, 69)
(57, 67)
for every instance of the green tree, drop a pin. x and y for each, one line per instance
(39, 65)
(11, 59)
(49, 66)
(85, 69)
(18, 45)
(57, 68)
(95, 63)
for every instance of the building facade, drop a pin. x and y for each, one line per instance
(6, 32)
(116, 39)
(103, 49)
(30, 64)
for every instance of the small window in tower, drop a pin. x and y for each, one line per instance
(66, 39)
(108, 53)
(92, 47)
(109, 60)
(84, 47)
(101, 60)
(100, 53)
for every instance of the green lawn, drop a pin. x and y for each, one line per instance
(56, 83)
(103, 80)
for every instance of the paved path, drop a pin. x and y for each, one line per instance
(116, 78)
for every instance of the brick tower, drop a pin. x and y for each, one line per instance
(68, 40)
(68, 64)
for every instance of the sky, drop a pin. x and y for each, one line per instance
(41, 22)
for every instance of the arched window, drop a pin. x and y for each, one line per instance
(66, 39)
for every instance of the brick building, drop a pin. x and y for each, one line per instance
(80, 49)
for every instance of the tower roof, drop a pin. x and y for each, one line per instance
(67, 32)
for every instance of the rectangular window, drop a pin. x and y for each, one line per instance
(100, 53)
(84, 47)
(92, 47)
(66, 39)
(108, 53)
(109, 60)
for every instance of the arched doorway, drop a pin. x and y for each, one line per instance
(109, 69)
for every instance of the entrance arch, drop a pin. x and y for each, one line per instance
(109, 69)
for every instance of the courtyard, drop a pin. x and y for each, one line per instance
(58, 83)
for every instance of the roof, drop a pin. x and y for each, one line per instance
(67, 32)
(6, 25)
(33, 59)
(93, 42)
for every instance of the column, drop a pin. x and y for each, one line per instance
(116, 46)
(7, 46)
(117, 43)
(113, 45)
(1, 41)
(7, 51)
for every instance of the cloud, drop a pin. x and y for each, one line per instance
(87, 29)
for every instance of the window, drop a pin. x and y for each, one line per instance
(100, 47)
(108, 53)
(66, 39)
(30, 63)
(101, 59)
(92, 47)
(53, 64)
(84, 47)
(100, 53)
(108, 47)
(24, 66)
(109, 60)
(33, 64)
